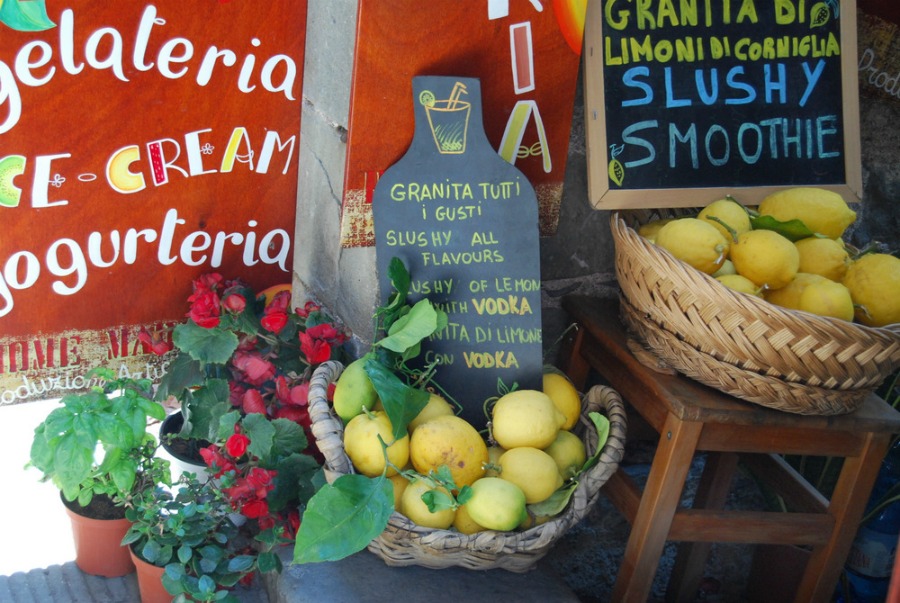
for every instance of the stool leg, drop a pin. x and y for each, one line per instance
(677, 443)
(847, 505)
(712, 492)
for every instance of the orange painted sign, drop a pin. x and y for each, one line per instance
(526, 53)
(141, 145)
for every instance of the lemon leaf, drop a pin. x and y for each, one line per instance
(793, 230)
(602, 425)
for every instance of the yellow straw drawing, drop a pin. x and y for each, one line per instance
(458, 89)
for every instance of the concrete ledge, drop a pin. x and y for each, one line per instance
(365, 578)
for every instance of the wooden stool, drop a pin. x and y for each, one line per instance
(689, 418)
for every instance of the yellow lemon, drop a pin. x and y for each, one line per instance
(695, 242)
(437, 406)
(740, 283)
(525, 418)
(766, 258)
(364, 449)
(650, 229)
(874, 284)
(826, 257)
(532, 470)
(564, 396)
(494, 454)
(822, 211)
(412, 505)
(354, 391)
(496, 504)
(568, 451)
(729, 211)
(827, 298)
(463, 522)
(449, 440)
(789, 295)
(727, 268)
(400, 483)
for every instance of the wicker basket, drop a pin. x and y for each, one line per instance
(405, 543)
(740, 344)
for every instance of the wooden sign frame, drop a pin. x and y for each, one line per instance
(603, 197)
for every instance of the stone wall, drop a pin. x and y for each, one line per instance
(580, 258)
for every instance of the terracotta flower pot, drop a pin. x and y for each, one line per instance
(98, 545)
(149, 579)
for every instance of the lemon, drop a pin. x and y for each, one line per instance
(354, 390)
(568, 451)
(449, 440)
(766, 258)
(731, 213)
(400, 483)
(826, 257)
(525, 418)
(412, 505)
(564, 396)
(496, 504)
(494, 454)
(436, 406)
(650, 229)
(463, 522)
(727, 268)
(789, 295)
(874, 284)
(532, 470)
(364, 449)
(822, 211)
(695, 242)
(827, 298)
(740, 283)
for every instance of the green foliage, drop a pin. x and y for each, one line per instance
(189, 530)
(97, 442)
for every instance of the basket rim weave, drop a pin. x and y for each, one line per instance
(695, 319)
(405, 543)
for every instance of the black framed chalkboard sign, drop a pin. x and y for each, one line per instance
(687, 101)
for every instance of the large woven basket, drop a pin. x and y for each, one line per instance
(740, 344)
(405, 543)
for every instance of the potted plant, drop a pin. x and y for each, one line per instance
(186, 538)
(95, 447)
(243, 351)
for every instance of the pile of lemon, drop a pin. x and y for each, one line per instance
(527, 456)
(815, 274)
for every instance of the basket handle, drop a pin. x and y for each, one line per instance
(602, 398)
(326, 427)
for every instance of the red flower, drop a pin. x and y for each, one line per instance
(279, 303)
(261, 480)
(256, 369)
(266, 522)
(325, 331)
(255, 508)
(217, 462)
(157, 342)
(297, 414)
(234, 303)
(207, 282)
(236, 393)
(308, 309)
(274, 321)
(252, 401)
(316, 351)
(205, 309)
(236, 445)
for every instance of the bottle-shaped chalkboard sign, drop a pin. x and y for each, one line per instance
(465, 223)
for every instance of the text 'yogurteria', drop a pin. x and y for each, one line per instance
(70, 260)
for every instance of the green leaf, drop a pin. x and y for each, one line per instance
(437, 500)
(343, 518)
(241, 563)
(203, 409)
(401, 402)
(791, 229)
(151, 551)
(227, 423)
(269, 562)
(261, 432)
(25, 15)
(602, 425)
(123, 474)
(555, 503)
(412, 328)
(73, 462)
(211, 346)
(115, 430)
(289, 437)
(183, 372)
(185, 553)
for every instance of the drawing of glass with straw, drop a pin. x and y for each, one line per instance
(449, 119)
